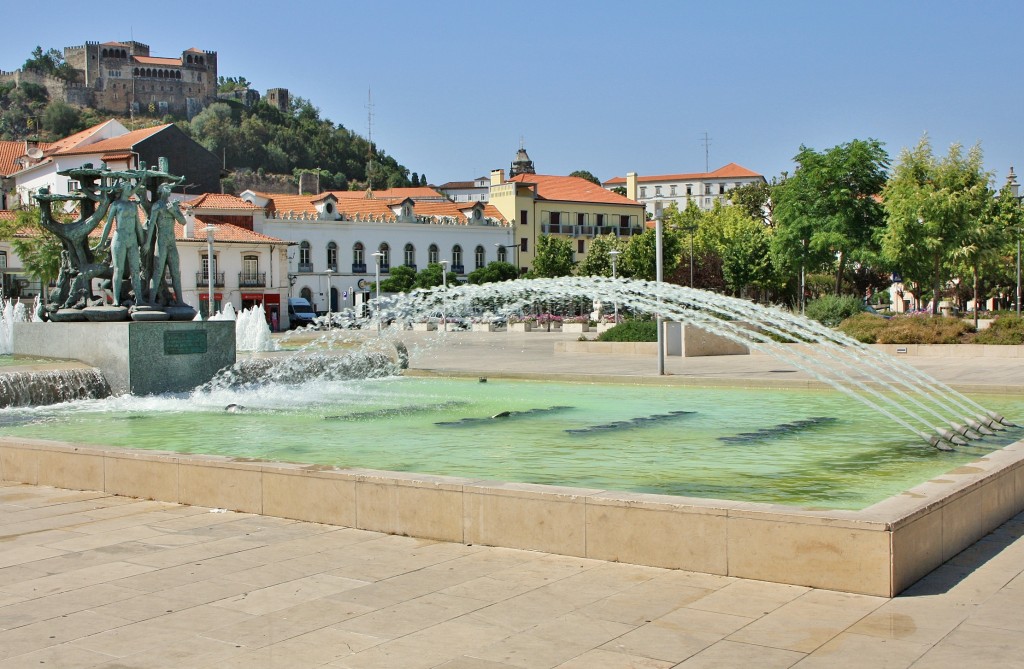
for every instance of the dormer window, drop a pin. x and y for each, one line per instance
(329, 208)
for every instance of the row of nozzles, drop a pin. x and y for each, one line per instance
(961, 435)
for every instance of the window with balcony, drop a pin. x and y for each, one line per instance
(478, 256)
(250, 276)
(581, 219)
(457, 259)
(332, 257)
(305, 257)
(707, 189)
(410, 256)
(358, 258)
(502, 254)
(433, 254)
(385, 257)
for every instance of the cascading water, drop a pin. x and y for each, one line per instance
(13, 312)
(922, 404)
(42, 388)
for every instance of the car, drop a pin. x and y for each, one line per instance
(300, 312)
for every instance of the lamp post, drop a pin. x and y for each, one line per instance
(209, 270)
(659, 276)
(330, 323)
(444, 282)
(376, 307)
(614, 253)
(1011, 181)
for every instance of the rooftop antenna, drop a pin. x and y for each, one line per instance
(369, 136)
(707, 153)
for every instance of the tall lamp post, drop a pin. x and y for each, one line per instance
(376, 307)
(614, 253)
(444, 282)
(1011, 181)
(210, 281)
(659, 274)
(330, 319)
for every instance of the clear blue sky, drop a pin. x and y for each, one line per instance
(604, 86)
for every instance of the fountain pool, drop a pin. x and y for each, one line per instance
(698, 442)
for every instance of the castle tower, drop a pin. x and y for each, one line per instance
(278, 98)
(522, 164)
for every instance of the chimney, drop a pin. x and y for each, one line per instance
(497, 177)
(631, 185)
(190, 223)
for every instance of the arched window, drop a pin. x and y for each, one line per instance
(433, 255)
(502, 254)
(410, 255)
(332, 257)
(385, 257)
(307, 294)
(135, 72)
(104, 53)
(456, 257)
(177, 74)
(358, 257)
(479, 257)
(188, 59)
(305, 257)
(250, 271)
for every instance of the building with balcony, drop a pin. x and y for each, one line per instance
(704, 189)
(570, 207)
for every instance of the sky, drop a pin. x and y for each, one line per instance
(608, 87)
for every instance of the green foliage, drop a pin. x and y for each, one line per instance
(554, 257)
(620, 190)
(584, 174)
(1007, 330)
(39, 250)
(924, 330)
(754, 199)
(493, 272)
(864, 327)
(433, 275)
(52, 63)
(631, 331)
(831, 310)
(597, 262)
(639, 259)
(228, 84)
(401, 279)
(826, 214)
(61, 119)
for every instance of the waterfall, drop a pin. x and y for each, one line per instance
(50, 387)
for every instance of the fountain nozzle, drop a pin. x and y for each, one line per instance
(979, 427)
(937, 441)
(952, 437)
(965, 431)
(999, 419)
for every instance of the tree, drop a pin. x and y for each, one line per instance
(620, 190)
(932, 206)
(827, 211)
(401, 279)
(432, 276)
(39, 250)
(61, 119)
(640, 256)
(51, 62)
(493, 272)
(554, 257)
(597, 261)
(756, 200)
(584, 174)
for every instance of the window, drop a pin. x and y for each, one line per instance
(523, 244)
(581, 219)
(707, 189)
(623, 221)
(385, 257)
(358, 254)
(410, 255)
(643, 191)
(672, 189)
(433, 255)
(524, 216)
(657, 190)
(332, 257)
(721, 189)
(689, 189)
(579, 246)
(502, 254)
(3, 259)
(456, 256)
(250, 266)
(556, 217)
(479, 257)
(305, 258)
(73, 186)
(328, 208)
(600, 220)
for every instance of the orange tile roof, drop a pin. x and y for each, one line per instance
(490, 211)
(730, 171)
(121, 143)
(224, 232)
(346, 194)
(571, 189)
(10, 151)
(363, 208)
(220, 201)
(7, 214)
(402, 193)
(154, 60)
(300, 204)
(74, 140)
(115, 44)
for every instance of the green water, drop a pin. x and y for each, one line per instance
(618, 437)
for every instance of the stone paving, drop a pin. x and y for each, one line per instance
(94, 580)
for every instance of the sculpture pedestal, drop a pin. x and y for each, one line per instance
(141, 358)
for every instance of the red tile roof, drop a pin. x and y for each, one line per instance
(10, 151)
(220, 201)
(490, 211)
(730, 171)
(77, 138)
(300, 204)
(346, 194)
(7, 214)
(121, 143)
(224, 232)
(571, 189)
(401, 193)
(153, 60)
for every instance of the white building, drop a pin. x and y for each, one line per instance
(657, 192)
(334, 237)
(476, 190)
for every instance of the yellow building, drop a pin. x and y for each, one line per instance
(568, 207)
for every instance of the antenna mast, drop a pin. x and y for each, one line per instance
(369, 136)
(707, 153)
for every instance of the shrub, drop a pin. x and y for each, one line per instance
(832, 310)
(1007, 330)
(631, 331)
(864, 327)
(924, 330)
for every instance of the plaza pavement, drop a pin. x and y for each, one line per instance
(94, 580)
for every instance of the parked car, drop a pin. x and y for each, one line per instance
(300, 312)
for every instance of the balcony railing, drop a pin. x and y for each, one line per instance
(411, 265)
(459, 269)
(305, 267)
(385, 268)
(359, 268)
(252, 279)
(203, 280)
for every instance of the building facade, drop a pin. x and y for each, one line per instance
(476, 190)
(704, 189)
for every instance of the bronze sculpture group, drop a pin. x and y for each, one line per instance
(131, 262)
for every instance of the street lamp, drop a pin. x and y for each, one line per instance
(209, 270)
(659, 277)
(614, 253)
(330, 319)
(1011, 181)
(444, 282)
(376, 308)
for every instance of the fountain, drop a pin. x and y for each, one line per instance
(332, 402)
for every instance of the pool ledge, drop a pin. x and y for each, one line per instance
(878, 551)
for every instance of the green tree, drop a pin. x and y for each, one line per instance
(933, 205)
(61, 119)
(493, 272)
(51, 62)
(584, 174)
(827, 211)
(39, 250)
(640, 255)
(401, 279)
(756, 200)
(433, 275)
(597, 262)
(554, 257)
